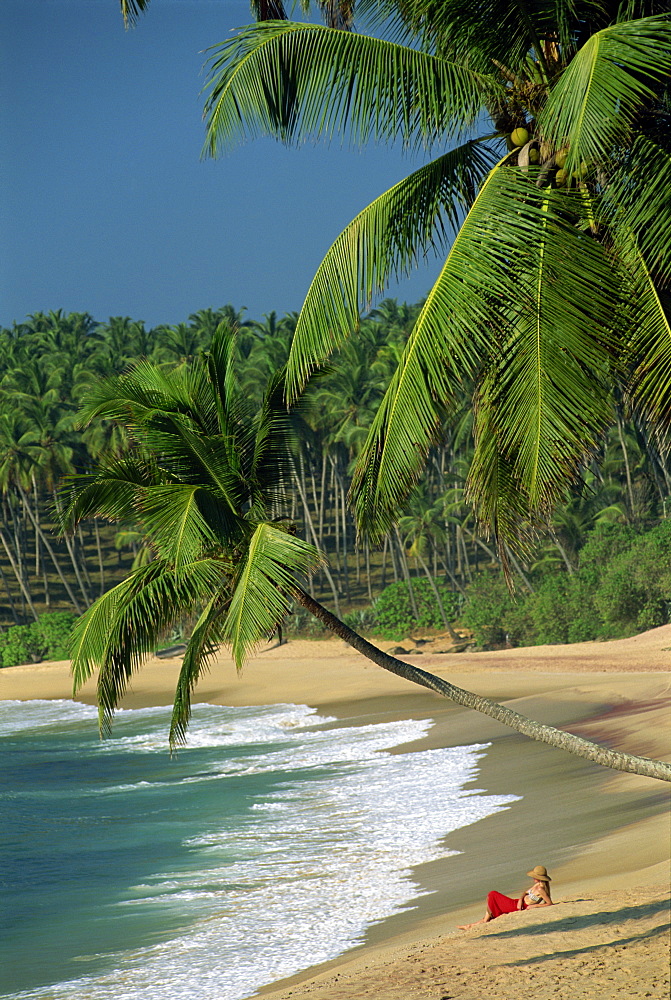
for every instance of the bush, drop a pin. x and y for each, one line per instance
(45, 639)
(395, 618)
(301, 622)
(361, 620)
(496, 617)
(635, 590)
(584, 621)
(550, 610)
(622, 586)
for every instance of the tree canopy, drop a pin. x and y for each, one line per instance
(548, 198)
(206, 481)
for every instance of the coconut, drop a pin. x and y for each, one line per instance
(560, 158)
(534, 156)
(519, 137)
(561, 177)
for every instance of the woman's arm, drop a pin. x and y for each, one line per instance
(546, 900)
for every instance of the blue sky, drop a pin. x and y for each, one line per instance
(105, 203)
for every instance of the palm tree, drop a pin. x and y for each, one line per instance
(337, 13)
(205, 483)
(549, 197)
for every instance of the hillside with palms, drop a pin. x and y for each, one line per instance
(51, 361)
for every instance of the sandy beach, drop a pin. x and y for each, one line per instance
(604, 836)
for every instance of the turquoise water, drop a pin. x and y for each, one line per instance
(267, 845)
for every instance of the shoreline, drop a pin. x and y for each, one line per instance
(580, 847)
(601, 833)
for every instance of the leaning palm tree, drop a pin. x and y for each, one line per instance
(205, 482)
(548, 200)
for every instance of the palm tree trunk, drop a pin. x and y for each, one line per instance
(303, 490)
(467, 562)
(311, 529)
(518, 569)
(406, 573)
(384, 561)
(453, 580)
(458, 571)
(101, 566)
(18, 574)
(436, 593)
(392, 553)
(506, 716)
(315, 496)
(336, 520)
(52, 556)
(11, 517)
(485, 548)
(322, 504)
(343, 510)
(562, 552)
(73, 559)
(625, 455)
(82, 555)
(10, 599)
(37, 539)
(368, 579)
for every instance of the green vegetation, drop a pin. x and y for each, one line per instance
(552, 302)
(504, 393)
(46, 639)
(622, 585)
(399, 613)
(49, 362)
(206, 482)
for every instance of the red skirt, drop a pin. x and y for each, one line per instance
(497, 904)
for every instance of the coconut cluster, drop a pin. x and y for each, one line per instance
(520, 137)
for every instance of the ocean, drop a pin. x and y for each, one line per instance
(270, 843)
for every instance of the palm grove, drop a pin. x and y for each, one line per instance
(546, 323)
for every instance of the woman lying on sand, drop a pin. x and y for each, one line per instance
(537, 895)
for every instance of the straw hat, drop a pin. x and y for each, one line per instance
(540, 873)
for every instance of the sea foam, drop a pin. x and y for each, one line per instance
(323, 848)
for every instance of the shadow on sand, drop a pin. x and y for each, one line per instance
(579, 922)
(588, 949)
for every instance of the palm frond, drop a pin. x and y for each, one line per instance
(263, 587)
(617, 71)
(268, 10)
(131, 10)
(184, 521)
(112, 493)
(202, 645)
(200, 459)
(526, 292)
(295, 81)
(637, 202)
(451, 337)
(138, 393)
(118, 631)
(270, 469)
(550, 394)
(477, 34)
(501, 507)
(388, 238)
(648, 321)
(221, 371)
